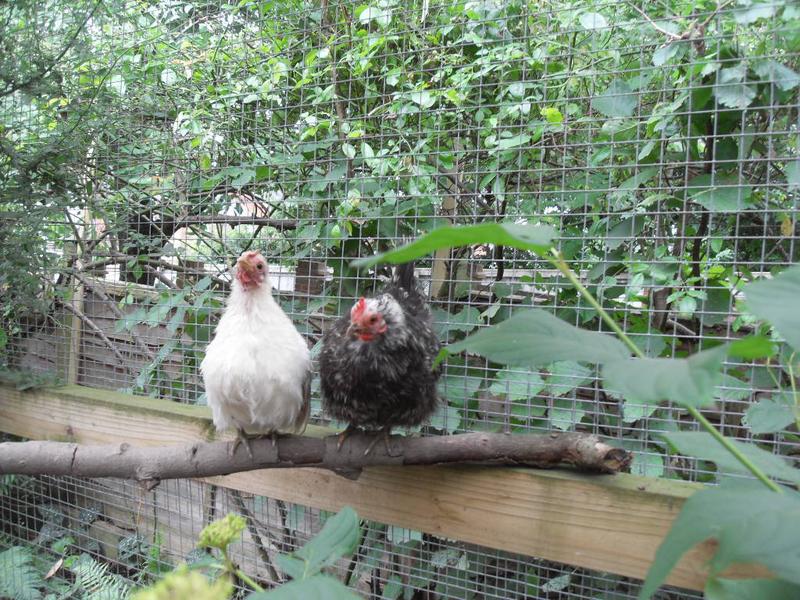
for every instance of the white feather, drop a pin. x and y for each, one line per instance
(256, 366)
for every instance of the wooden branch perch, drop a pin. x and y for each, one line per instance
(585, 452)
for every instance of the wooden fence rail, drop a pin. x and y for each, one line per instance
(608, 523)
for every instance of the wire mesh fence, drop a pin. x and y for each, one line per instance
(144, 146)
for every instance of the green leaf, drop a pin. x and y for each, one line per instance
(752, 347)
(647, 465)
(731, 388)
(458, 389)
(775, 301)
(633, 411)
(317, 587)
(777, 73)
(700, 444)
(750, 589)
(349, 150)
(593, 20)
(517, 386)
(566, 413)
(730, 89)
(446, 418)
(684, 381)
(536, 238)
(721, 193)
(18, 577)
(750, 524)
(624, 230)
(382, 16)
(565, 376)
(793, 175)
(666, 53)
(339, 537)
(169, 77)
(617, 101)
(552, 115)
(513, 142)
(535, 337)
(771, 414)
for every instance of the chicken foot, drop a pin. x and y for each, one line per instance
(384, 433)
(244, 438)
(349, 430)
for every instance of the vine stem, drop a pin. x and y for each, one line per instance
(232, 569)
(558, 262)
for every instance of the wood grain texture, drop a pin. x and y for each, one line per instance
(608, 523)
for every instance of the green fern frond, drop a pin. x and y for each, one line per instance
(18, 578)
(94, 582)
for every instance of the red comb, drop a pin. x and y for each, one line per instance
(358, 308)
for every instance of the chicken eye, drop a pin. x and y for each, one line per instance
(259, 266)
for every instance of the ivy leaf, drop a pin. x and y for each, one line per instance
(700, 444)
(736, 516)
(617, 101)
(536, 238)
(721, 193)
(771, 414)
(775, 301)
(685, 381)
(535, 337)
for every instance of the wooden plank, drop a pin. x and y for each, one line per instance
(607, 523)
(93, 416)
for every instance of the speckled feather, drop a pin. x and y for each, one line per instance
(386, 382)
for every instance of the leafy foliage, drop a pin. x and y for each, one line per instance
(666, 177)
(18, 577)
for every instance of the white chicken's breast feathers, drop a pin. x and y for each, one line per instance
(256, 366)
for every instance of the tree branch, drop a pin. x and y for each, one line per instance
(198, 459)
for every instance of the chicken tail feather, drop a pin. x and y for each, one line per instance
(404, 277)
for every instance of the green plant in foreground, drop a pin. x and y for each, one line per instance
(339, 537)
(752, 523)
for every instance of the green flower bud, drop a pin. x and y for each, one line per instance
(221, 533)
(183, 584)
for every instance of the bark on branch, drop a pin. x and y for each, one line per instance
(584, 452)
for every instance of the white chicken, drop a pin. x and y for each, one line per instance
(257, 369)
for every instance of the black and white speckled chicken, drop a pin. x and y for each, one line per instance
(375, 363)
